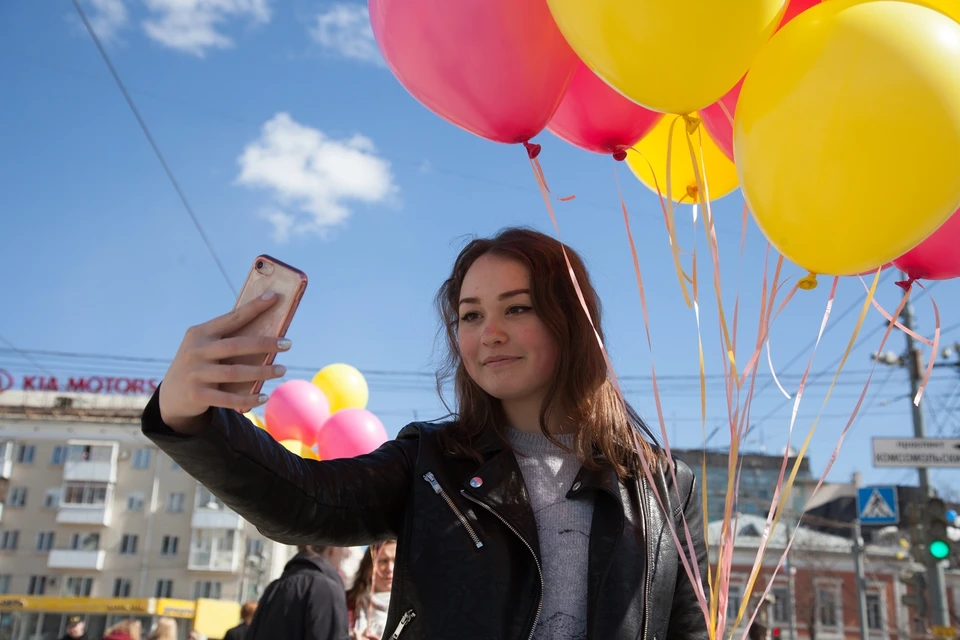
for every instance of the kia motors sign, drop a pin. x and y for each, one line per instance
(79, 384)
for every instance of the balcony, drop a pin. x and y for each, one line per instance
(91, 463)
(6, 460)
(210, 513)
(89, 514)
(77, 559)
(222, 518)
(217, 561)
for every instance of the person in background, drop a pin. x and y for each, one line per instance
(307, 602)
(195, 635)
(166, 629)
(76, 629)
(368, 600)
(129, 629)
(239, 632)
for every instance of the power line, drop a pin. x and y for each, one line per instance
(156, 148)
(24, 354)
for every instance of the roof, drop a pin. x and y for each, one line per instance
(750, 529)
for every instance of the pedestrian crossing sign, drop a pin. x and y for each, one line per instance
(878, 505)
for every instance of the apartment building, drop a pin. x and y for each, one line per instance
(90, 508)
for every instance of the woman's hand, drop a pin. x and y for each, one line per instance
(191, 384)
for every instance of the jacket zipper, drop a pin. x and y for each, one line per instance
(646, 578)
(536, 618)
(429, 477)
(404, 621)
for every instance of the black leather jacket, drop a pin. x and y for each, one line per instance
(468, 564)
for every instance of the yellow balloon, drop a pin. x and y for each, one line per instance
(252, 417)
(302, 450)
(847, 133)
(949, 8)
(344, 386)
(720, 173)
(674, 56)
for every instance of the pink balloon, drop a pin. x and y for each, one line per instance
(937, 257)
(715, 121)
(349, 433)
(595, 117)
(296, 410)
(497, 68)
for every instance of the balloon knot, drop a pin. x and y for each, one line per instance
(906, 284)
(693, 193)
(808, 282)
(533, 150)
(692, 123)
(620, 155)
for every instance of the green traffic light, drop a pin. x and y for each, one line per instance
(939, 549)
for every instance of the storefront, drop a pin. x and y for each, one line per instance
(45, 617)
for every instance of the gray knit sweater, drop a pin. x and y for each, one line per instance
(563, 527)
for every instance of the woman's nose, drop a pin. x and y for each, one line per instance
(493, 334)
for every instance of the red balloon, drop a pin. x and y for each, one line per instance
(497, 68)
(715, 121)
(937, 257)
(595, 117)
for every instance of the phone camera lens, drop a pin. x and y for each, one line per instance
(259, 264)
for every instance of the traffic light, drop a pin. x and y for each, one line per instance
(937, 541)
(775, 633)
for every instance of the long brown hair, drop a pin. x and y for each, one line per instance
(580, 392)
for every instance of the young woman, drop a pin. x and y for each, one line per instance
(368, 600)
(527, 515)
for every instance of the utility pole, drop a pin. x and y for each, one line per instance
(791, 609)
(913, 361)
(858, 569)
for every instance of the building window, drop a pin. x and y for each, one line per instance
(85, 493)
(254, 547)
(828, 606)
(164, 589)
(207, 500)
(78, 586)
(59, 455)
(128, 545)
(141, 458)
(51, 499)
(25, 453)
(781, 605)
(175, 502)
(206, 589)
(9, 540)
(45, 541)
(17, 497)
(135, 502)
(734, 600)
(4, 584)
(37, 586)
(85, 542)
(169, 546)
(875, 612)
(122, 587)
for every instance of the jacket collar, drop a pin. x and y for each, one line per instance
(307, 560)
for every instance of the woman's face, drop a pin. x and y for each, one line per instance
(383, 564)
(505, 347)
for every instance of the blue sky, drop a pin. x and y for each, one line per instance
(107, 261)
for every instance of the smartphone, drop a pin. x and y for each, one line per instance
(289, 283)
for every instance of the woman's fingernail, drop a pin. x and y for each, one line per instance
(262, 398)
(283, 344)
(269, 295)
(279, 370)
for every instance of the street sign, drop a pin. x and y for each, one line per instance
(916, 452)
(877, 505)
(944, 632)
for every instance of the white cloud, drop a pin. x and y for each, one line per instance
(312, 177)
(191, 26)
(107, 18)
(345, 30)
